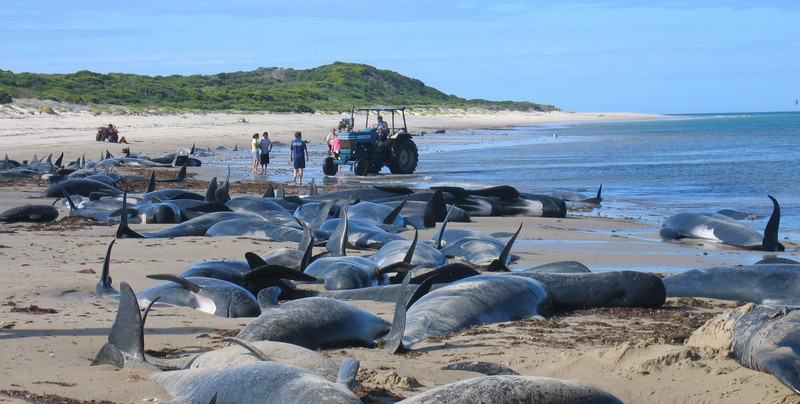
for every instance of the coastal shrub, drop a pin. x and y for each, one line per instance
(6, 95)
(46, 109)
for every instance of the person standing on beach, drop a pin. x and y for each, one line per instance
(266, 147)
(329, 140)
(298, 154)
(336, 146)
(254, 150)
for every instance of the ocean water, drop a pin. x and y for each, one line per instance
(649, 169)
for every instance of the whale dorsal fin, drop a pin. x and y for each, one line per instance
(405, 265)
(254, 260)
(181, 175)
(307, 244)
(501, 263)
(221, 194)
(337, 242)
(211, 191)
(770, 241)
(392, 216)
(72, 206)
(437, 238)
(151, 186)
(312, 188)
(268, 297)
(270, 192)
(322, 215)
(104, 286)
(123, 231)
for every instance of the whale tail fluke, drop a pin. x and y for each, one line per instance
(393, 341)
(125, 344)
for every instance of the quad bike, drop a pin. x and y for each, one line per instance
(109, 133)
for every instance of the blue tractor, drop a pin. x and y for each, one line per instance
(382, 143)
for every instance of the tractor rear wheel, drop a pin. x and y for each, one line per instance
(404, 157)
(112, 137)
(99, 136)
(362, 167)
(328, 167)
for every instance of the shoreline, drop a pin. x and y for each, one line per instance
(637, 355)
(34, 131)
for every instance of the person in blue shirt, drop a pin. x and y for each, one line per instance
(298, 154)
(266, 148)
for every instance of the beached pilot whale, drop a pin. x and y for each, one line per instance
(316, 322)
(765, 338)
(210, 295)
(464, 303)
(761, 283)
(588, 290)
(29, 213)
(259, 381)
(504, 200)
(723, 229)
(514, 389)
(79, 186)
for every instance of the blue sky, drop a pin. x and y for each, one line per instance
(635, 56)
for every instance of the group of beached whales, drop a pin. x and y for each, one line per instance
(417, 275)
(457, 279)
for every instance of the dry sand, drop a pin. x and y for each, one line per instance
(52, 325)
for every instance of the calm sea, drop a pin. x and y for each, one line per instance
(649, 169)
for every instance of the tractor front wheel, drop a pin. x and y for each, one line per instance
(328, 166)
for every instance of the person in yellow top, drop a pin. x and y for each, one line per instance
(255, 151)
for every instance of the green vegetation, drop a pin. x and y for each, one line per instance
(334, 87)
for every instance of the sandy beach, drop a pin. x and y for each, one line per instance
(52, 325)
